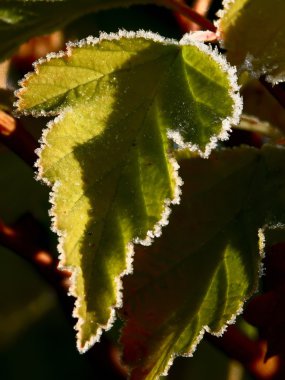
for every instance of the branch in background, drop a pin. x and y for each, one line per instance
(253, 124)
(24, 238)
(199, 6)
(16, 138)
(182, 9)
(251, 354)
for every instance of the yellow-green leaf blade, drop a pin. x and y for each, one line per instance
(253, 34)
(107, 154)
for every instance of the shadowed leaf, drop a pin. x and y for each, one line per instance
(198, 275)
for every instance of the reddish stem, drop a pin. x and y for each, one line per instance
(251, 354)
(16, 138)
(199, 6)
(22, 238)
(183, 9)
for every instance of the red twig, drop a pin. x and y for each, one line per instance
(16, 138)
(183, 9)
(199, 6)
(251, 354)
(23, 239)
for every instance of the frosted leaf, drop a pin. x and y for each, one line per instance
(252, 32)
(197, 276)
(107, 154)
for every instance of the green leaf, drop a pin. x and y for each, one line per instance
(254, 36)
(198, 275)
(107, 155)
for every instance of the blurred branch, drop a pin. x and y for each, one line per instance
(202, 6)
(251, 354)
(253, 124)
(24, 239)
(199, 6)
(16, 138)
(181, 8)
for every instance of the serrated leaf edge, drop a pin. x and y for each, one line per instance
(232, 320)
(187, 39)
(175, 136)
(226, 4)
(151, 234)
(237, 107)
(90, 40)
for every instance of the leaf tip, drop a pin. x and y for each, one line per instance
(237, 102)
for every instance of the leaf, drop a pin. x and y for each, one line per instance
(253, 34)
(198, 275)
(107, 155)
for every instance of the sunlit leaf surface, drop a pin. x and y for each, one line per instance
(108, 155)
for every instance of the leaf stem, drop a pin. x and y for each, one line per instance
(16, 138)
(191, 14)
